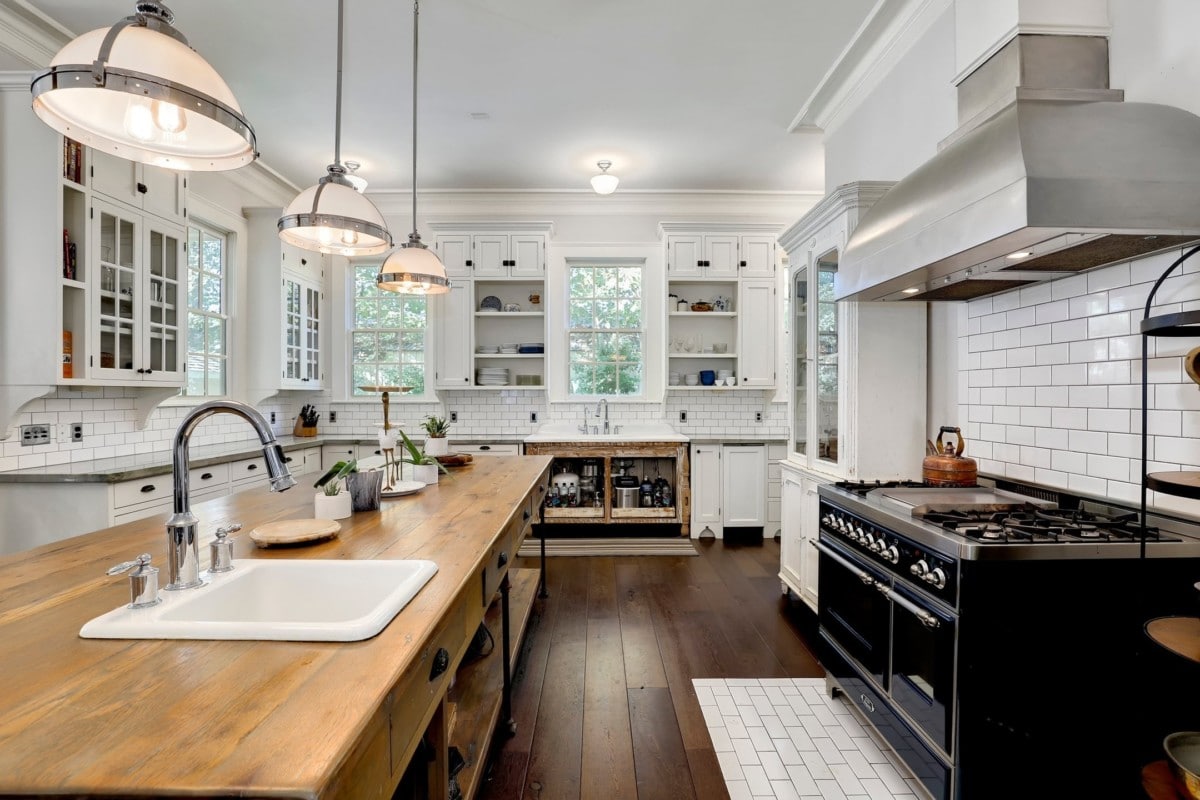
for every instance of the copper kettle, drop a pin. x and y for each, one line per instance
(944, 463)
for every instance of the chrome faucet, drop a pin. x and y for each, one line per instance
(603, 403)
(183, 545)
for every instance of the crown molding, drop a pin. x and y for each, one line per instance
(887, 33)
(268, 186)
(849, 197)
(15, 80)
(551, 204)
(30, 35)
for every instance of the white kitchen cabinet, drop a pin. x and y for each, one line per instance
(487, 449)
(757, 333)
(857, 405)
(798, 567)
(454, 341)
(744, 485)
(707, 487)
(136, 276)
(703, 250)
(303, 462)
(286, 344)
(492, 250)
(151, 189)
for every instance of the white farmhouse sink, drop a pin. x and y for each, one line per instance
(308, 600)
(644, 432)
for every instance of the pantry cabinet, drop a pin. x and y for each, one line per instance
(454, 363)
(287, 331)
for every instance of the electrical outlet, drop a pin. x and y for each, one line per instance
(533, 416)
(35, 434)
(332, 417)
(683, 416)
(758, 416)
(454, 416)
(272, 417)
(76, 431)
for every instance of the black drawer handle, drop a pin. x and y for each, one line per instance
(526, 516)
(502, 559)
(441, 662)
(251, 467)
(149, 487)
(287, 459)
(485, 447)
(206, 476)
(470, 263)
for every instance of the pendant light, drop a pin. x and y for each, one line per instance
(333, 217)
(604, 183)
(412, 268)
(138, 90)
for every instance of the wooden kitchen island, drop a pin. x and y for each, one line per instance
(168, 718)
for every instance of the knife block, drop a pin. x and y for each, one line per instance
(300, 429)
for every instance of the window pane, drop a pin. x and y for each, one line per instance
(213, 254)
(196, 335)
(581, 313)
(216, 376)
(606, 282)
(216, 336)
(193, 248)
(606, 314)
(389, 346)
(582, 346)
(388, 343)
(630, 282)
(581, 283)
(210, 294)
(606, 330)
(581, 379)
(364, 347)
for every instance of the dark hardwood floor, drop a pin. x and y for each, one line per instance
(603, 696)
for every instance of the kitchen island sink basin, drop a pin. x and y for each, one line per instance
(646, 432)
(309, 600)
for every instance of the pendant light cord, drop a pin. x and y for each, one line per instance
(416, 17)
(337, 125)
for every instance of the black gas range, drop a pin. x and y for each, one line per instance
(993, 633)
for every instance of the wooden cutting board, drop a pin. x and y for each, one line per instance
(455, 459)
(294, 531)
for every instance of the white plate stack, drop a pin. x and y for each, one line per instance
(508, 349)
(491, 376)
(487, 349)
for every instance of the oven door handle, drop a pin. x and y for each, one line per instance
(861, 574)
(927, 619)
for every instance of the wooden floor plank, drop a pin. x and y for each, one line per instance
(651, 623)
(607, 771)
(661, 762)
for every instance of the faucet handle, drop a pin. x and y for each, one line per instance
(220, 550)
(143, 581)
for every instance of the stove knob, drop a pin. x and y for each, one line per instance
(841, 523)
(859, 535)
(827, 520)
(875, 545)
(936, 578)
(920, 569)
(892, 554)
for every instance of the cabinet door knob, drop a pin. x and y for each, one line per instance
(470, 263)
(741, 263)
(441, 661)
(142, 189)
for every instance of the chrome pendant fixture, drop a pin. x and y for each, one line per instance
(412, 268)
(137, 90)
(333, 217)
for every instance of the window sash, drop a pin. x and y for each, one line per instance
(211, 376)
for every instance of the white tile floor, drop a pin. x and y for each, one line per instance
(786, 738)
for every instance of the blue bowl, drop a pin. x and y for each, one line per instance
(708, 377)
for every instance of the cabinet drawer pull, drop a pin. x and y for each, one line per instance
(470, 263)
(207, 476)
(441, 661)
(142, 188)
(149, 487)
(485, 447)
(502, 559)
(251, 467)
(287, 459)
(525, 517)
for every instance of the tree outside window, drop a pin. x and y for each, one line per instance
(387, 337)
(207, 353)
(606, 331)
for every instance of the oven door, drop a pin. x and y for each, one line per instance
(923, 664)
(852, 613)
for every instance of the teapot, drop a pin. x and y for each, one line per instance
(945, 465)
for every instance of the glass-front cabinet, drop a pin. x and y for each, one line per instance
(815, 360)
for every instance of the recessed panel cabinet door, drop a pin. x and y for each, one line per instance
(744, 468)
(791, 538)
(455, 251)
(757, 333)
(757, 257)
(684, 254)
(528, 255)
(721, 256)
(490, 254)
(706, 485)
(454, 315)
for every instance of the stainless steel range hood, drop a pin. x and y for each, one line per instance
(1071, 178)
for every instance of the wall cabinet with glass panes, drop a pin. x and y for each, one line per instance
(857, 374)
(286, 333)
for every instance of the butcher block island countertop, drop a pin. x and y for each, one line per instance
(166, 718)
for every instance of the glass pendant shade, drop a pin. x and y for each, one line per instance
(603, 183)
(331, 217)
(149, 98)
(412, 268)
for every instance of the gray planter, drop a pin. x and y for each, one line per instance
(364, 490)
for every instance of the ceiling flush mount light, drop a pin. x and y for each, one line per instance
(333, 217)
(604, 183)
(412, 268)
(138, 90)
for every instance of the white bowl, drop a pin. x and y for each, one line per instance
(692, 380)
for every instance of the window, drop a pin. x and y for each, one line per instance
(606, 331)
(207, 352)
(387, 336)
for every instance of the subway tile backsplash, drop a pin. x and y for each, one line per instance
(110, 423)
(1050, 382)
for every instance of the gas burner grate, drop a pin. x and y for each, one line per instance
(861, 488)
(1032, 525)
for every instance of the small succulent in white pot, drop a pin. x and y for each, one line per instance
(331, 502)
(425, 467)
(436, 443)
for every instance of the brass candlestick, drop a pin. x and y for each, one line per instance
(392, 469)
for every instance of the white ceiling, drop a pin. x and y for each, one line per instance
(681, 95)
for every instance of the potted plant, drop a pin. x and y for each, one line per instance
(331, 502)
(436, 443)
(425, 466)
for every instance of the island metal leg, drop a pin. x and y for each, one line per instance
(505, 658)
(542, 572)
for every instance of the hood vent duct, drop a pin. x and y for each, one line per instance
(1040, 182)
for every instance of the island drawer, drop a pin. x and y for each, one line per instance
(161, 487)
(420, 689)
(498, 558)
